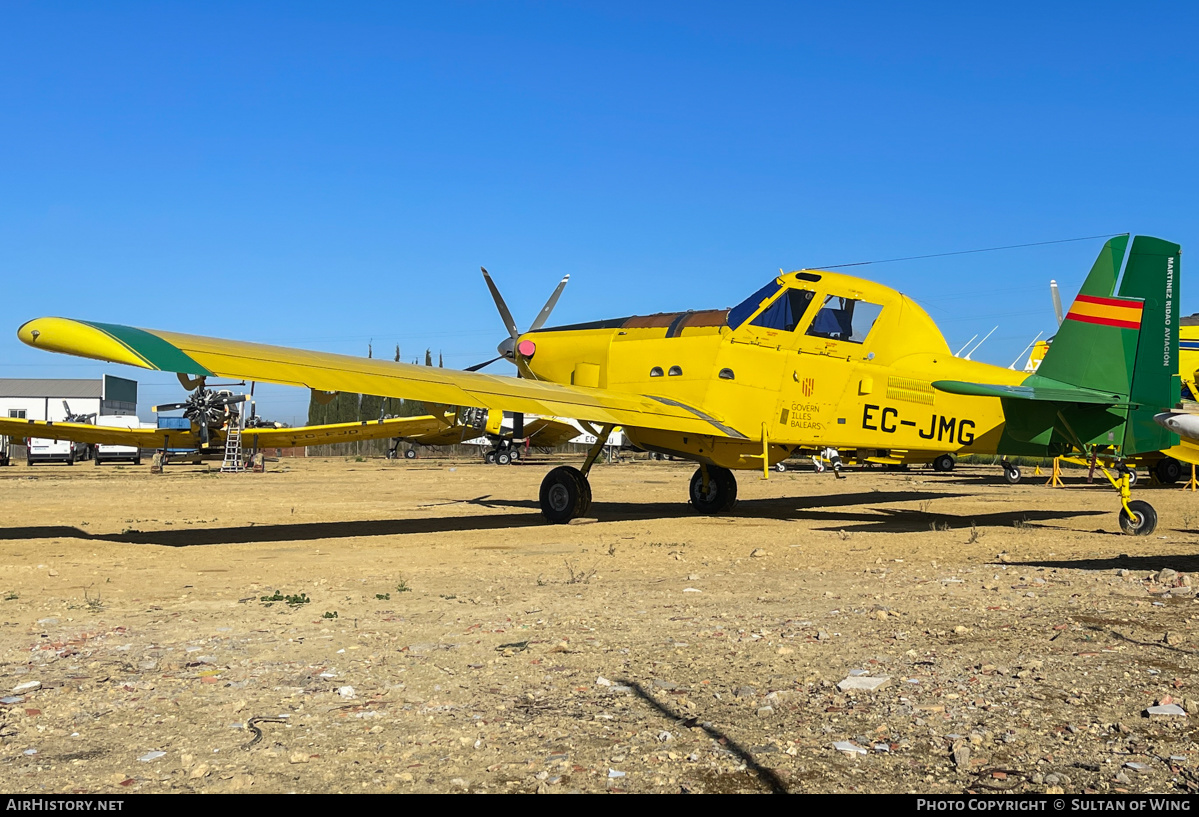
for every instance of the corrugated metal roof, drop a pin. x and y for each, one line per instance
(32, 387)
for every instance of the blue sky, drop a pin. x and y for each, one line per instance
(322, 175)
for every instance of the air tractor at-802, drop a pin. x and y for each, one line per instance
(814, 359)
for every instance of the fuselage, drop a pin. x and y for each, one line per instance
(815, 359)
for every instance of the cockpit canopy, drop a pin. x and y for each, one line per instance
(838, 318)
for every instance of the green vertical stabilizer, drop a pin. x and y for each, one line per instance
(1090, 355)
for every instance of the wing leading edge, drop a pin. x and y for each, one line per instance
(323, 371)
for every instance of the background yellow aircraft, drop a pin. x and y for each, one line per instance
(813, 359)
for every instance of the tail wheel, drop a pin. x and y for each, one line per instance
(780, 467)
(943, 463)
(410, 454)
(565, 494)
(1143, 520)
(1167, 470)
(1011, 474)
(721, 495)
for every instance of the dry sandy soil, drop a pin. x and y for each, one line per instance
(447, 640)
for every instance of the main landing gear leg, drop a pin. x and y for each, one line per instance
(565, 491)
(1137, 518)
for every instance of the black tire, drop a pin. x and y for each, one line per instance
(565, 495)
(514, 454)
(503, 458)
(1011, 474)
(944, 463)
(1143, 521)
(780, 467)
(489, 457)
(96, 461)
(1167, 470)
(721, 496)
(410, 454)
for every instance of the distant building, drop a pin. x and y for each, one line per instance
(34, 399)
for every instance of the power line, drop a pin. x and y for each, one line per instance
(966, 252)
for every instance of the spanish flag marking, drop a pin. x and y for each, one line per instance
(1106, 311)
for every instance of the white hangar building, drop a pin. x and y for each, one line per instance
(36, 399)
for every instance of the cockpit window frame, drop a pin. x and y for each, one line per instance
(745, 310)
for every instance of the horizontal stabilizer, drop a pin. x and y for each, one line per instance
(1056, 393)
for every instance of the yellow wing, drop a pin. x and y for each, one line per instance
(408, 427)
(547, 432)
(195, 355)
(102, 435)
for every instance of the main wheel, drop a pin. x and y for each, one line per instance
(1011, 474)
(1143, 520)
(565, 495)
(945, 462)
(503, 458)
(410, 454)
(1167, 470)
(721, 495)
(514, 454)
(489, 457)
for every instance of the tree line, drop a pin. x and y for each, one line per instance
(348, 407)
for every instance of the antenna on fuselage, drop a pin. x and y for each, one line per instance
(958, 353)
(980, 343)
(1031, 344)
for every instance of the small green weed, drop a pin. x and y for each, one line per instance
(330, 615)
(403, 587)
(383, 596)
(12, 596)
(290, 601)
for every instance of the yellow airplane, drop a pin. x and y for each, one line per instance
(165, 438)
(813, 359)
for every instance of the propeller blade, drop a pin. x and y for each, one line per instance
(484, 365)
(500, 305)
(169, 407)
(1057, 302)
(230, 400)
(544, 315)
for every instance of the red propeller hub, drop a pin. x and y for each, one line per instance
(526, 348)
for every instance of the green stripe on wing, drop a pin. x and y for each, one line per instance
(151, 348)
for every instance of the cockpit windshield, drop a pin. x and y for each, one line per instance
(740, 313)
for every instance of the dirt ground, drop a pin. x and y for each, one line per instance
(430, 633)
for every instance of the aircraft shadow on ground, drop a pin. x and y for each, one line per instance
(819, 508)
(1182, 562)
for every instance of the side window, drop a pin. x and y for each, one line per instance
(16, 414)
(786, 311)
(844, 319)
